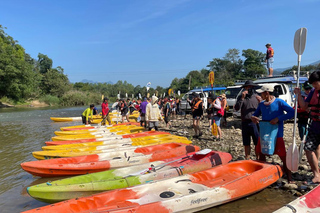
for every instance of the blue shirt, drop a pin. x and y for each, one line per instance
(275, 110)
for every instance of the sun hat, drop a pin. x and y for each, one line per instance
(249, 83)
(223, 95)
(266, 88)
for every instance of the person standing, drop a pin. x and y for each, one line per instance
(124, 110)
(218, 112)
(312, 147)
(247, 103)
(269, 59)
(86, 113)
(197, 111)
(303, 115)
(143, 107)
(276, 111)
(153, 114)
(105, 112)
(167, 111)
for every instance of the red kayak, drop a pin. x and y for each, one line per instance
(99, 162)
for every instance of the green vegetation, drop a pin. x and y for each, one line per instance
(24, 78)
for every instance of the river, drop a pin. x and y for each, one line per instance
(25, 130)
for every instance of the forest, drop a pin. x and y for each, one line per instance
(24, 78)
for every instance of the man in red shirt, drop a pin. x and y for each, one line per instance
(105, 112)
(269, 59)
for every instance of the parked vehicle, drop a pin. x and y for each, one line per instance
(204, 94)
(281, 90)
(232, 93)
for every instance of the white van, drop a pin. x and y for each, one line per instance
(232, 93)
(185, 106)
(281, 90)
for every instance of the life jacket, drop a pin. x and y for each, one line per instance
(315, 106)
(196, 106)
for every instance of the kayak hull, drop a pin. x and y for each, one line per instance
(99, 162)
(309, 202)
(187, 193)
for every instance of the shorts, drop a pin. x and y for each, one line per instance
(153, 124)
(166, 119)
(279, 150)
(196, 117)
(249, 129)
(217, 119)
(124, 113)
(84, 120)
(270, 62)
(312, 142)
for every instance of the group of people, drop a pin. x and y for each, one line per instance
(276, 111)
(254, 102)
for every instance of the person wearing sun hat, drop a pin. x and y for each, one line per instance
(269, 59)
(247, 103)
(276, 111)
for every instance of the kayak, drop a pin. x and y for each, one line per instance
(113, 150)
(101, 130)
(119, 143)
(68, 119)
(309, 202)
(101, 162)
(87, 136)
(86, 185)
(187, 193)
(103, 139)
(82, 127)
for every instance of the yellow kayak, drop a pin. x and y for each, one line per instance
(88, 135)
(110, 151)
(132, 141)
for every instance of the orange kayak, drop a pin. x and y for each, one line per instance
(133, 135)
(102, 162)
(187, 193)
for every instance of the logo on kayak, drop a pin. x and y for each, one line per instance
(265, 179)
(198, 201)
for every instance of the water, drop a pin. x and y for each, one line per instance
(25, 130)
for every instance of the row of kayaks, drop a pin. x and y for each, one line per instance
(115, 117)
(140, 172)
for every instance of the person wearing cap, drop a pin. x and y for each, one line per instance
(143, 107)
(247, 103)
(269, 59)
(303, 115)
(86, 113)
(105, 112)
(312, 147)
(197, 111)
(276, 111)
(153, 114)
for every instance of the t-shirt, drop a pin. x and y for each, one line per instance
(87, 113)
(275, 110)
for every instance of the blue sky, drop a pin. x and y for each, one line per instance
(156, 41)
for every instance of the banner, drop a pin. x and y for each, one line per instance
(211, 78)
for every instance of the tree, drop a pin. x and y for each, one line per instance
(253, 66)
(45, 63)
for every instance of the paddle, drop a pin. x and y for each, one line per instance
(152, 168)
(299, 44)
(303, 141)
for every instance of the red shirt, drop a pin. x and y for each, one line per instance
(105, 108)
